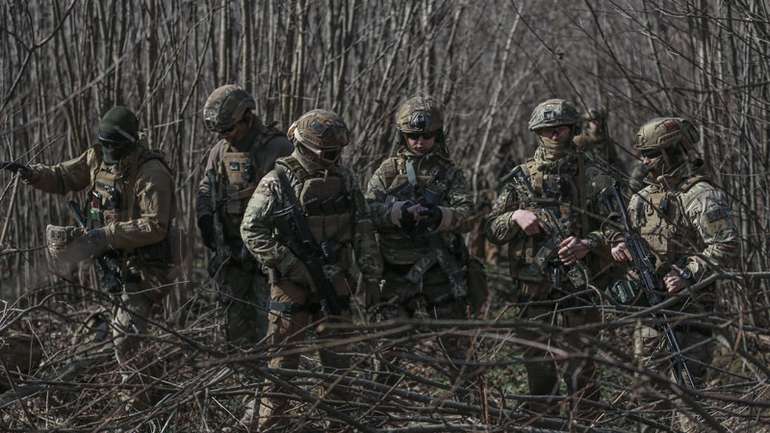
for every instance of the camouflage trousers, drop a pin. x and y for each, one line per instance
(138, 367)
(243, 294)
(407, 300)
(294, 308)
(543, 371)
(652, 353)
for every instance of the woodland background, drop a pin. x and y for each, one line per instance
(64, 63)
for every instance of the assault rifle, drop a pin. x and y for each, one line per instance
(107, 266)
(221, 250)
(643, 262)
(547, 257)
(295, 233)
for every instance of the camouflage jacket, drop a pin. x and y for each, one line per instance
(355, 237)
(570, 187)
(265, 145)
(686, 221)
(147, 205)
(389, 189)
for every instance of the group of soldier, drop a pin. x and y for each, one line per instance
(294, 239)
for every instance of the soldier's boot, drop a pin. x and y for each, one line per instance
(128, 325)
(543, 383)
(582, 389)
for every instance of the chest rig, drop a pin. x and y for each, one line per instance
(239, 171)
(663, 223)
(551, 190)
(412, 180)
(327, 203)
(112, 196)
(555, 187)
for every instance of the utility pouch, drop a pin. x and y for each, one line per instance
(623, 292)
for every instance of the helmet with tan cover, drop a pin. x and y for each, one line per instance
(321, 132)
(419, 114)
(666, 133)
(226, 106)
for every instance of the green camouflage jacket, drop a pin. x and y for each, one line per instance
(389, 188)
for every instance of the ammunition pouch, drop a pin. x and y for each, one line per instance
(623, 292)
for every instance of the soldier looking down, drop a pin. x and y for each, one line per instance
(307, 223)
(246, 151)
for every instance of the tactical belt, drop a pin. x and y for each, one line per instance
(292, 308)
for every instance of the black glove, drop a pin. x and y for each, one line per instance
(15, 167)
(407, 220)
(432, 217)
(208, 232)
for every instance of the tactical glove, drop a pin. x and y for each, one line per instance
(208, 232)
(92, 244)
(407, 220)
(15, 167)
(432, 216)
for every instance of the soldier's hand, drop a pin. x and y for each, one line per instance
(407, 220)
(573, 249)
(432, 216)
(528, 221)
(674, 281)
(16, 167)
(208, 232)
(620, 253)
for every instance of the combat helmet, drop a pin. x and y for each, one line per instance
(118, 133)
(419, 114)
(225, 106)
(322, 133)
(118, 125)
(554, 112)
(665, 133)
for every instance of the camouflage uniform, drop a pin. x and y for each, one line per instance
(594, 139)
(232, 173)
(336, 214)
(131, 210)
(565, 182)
(415, 276)
(687, 222)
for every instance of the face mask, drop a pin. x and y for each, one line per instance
(553, 149)
(112, 153)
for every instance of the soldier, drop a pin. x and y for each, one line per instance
(421, 207)
(246, 151)
(130, 210)
(333, 216)
(555, 248)
(687, 222)
(594, 138)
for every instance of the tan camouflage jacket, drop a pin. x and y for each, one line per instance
(152, 203)
(561, 187)
(259, 232)
(389, 189)
(267, 145)
(686, 221)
